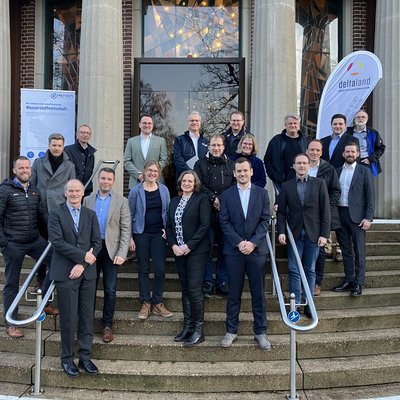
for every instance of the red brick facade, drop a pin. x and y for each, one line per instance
(28, 44)
(359, 24)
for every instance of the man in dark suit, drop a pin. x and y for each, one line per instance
(356, 211)
(75, 236)
(304, 203)
(244, 218)
(333, 145)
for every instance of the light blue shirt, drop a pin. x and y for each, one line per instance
(334, 142)
(362, 138)
(244, 195)
(75, 214)
(101, 207)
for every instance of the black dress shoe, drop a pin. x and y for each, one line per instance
(344, 287)
(194, 339)
(70, 369)
(88, 366)
(357, 291)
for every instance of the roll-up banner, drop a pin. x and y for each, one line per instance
(44, 112)
(347, 88)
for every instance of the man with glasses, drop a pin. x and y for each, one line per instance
(190, 146)
(215, 171)
(81, 153)
(234, 133)
(304, 203)
(142, 148)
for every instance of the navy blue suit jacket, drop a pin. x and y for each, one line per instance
(337, 159)
(236, 227)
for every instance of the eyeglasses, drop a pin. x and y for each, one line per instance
(84, 133)
(236, 120)
(194, 121)
(216, 145)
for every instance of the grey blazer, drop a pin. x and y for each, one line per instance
(51, 186)
(134, 160)
(118, 225)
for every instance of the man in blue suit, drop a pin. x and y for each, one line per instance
(244, 218)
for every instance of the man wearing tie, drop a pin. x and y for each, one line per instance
(244, 218)
(142, 148)
(75, 237)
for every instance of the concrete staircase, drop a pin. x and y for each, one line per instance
(356, 343)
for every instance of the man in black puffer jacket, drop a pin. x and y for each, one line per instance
(21, 212)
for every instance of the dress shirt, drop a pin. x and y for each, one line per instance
(345, 181)
(101, 207)
(244, 195)
(195, 140)
(334, 142)
(301, 186)
(75, 214)
(362, 138)
(145, 144)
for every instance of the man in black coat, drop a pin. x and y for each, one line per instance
(235, 132)
(22, 209)
(81, 153)
(74, 233)
(356, 211)
(304, 203)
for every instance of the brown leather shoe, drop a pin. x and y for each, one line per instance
(161, 310)
(108, 335)
(144, 311)
(14, 332)
(50, 310)
(317, 290)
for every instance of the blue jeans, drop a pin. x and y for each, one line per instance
(308, 252)
(110, 271)
(150, 246)
(221, 274)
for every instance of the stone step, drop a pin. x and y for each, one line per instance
(163, 348)
(126, 322)
(263, 376)
(350, 371)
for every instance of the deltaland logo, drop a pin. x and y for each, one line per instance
(354, 82)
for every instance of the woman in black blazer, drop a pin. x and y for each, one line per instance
(188, 223)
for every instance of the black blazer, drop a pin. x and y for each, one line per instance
(236, 227)
(196, 220)
(69, 246)
(361, 194)
(314, 215)
(337, 159)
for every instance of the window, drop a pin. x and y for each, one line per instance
(191, 28)
(318, 51)
(63, 44)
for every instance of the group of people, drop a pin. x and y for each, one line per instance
(322, 185)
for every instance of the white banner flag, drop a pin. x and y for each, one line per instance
(44, 112)
(347, 88)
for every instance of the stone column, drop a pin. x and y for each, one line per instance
(101, 79)
(273, 83)
(386, 106)
(5, 87)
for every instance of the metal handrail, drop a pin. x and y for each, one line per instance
(22, 291)
(97, 167)
(279, 292)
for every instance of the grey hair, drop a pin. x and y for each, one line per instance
(294, 116)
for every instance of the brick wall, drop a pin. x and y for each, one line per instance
(27, 44)
(127, 75)
(359, 24)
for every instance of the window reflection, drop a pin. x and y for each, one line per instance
(193, 28)
(64, 36)
(317, 53)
